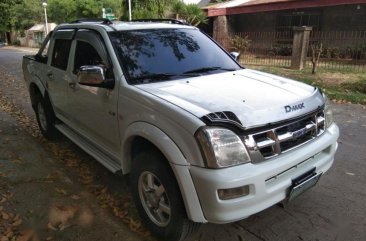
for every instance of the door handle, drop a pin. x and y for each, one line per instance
(112, 113)
(72, 85)
(50, 75)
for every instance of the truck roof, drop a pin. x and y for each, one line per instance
(111, 26)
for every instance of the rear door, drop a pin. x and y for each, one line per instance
(93, 110)
(56, 74)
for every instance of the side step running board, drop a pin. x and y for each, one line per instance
(90, 148)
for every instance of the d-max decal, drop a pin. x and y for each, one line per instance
(289, 108)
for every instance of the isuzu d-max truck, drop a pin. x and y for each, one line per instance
(202, 138)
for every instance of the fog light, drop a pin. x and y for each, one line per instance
(226, 194)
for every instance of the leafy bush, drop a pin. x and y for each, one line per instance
(22, 34)
(335, 53)
(331, 53)
(16, 42)
(281, 50)
(240, 44)
(357, 51)
(350, 52)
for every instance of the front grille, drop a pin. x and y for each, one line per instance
(273, 142)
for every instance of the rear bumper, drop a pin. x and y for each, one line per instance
(268, 182)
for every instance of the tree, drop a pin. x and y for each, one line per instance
(147, 9)
(8, 17)
(61, 11)
(26, 14)
(7, 14)
(178, 9)
(191, 13)
(316, 51)
(88, 9)
(23, 14)
(194, 15)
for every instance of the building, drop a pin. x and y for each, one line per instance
(283, 15)
(198, 2)
(35, 35)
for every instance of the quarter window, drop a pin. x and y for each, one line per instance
(61, 53)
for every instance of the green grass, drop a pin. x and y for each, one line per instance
(344, 85)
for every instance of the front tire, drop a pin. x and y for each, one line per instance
(45, 118)
(157, 197)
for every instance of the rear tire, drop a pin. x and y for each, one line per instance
(157, 197)
(45, 118)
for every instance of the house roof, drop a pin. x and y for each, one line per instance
(37, 28)
(41, 27)
(237, 3)
(253, 6)
(198, 2)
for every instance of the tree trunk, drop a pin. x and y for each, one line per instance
(315, 65)
(8, 38)
(315, 56)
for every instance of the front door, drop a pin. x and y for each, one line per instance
(93, 110)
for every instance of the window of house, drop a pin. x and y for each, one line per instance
(61, 52)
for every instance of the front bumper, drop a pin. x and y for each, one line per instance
(269, 181)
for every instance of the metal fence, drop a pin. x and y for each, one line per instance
(344, 50)
(341, 50)
(267, 48)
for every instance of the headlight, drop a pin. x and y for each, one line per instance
(221, 147)
(328, 113)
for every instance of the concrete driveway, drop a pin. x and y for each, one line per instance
(333, 210)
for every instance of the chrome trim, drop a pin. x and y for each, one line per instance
(265, 143)
(273, 142)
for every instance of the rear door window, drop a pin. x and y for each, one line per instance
(61, 51)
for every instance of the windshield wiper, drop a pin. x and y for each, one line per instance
(207, 69)
(159, 77)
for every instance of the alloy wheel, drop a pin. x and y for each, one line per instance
(154, 199)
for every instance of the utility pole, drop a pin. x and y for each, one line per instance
(129, 10)
(44, 4)
(104, 15)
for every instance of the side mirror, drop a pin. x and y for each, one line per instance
(94, 76)
(235, 55)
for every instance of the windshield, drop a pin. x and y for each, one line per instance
(165, 54)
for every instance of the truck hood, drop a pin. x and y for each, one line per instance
(256, 98)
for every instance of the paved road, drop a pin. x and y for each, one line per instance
(334, 210)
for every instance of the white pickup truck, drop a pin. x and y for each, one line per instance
(202, 138)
